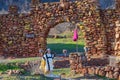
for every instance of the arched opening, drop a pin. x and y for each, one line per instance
(42, 18)
(60, 39)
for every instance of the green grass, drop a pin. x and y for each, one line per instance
(26, 76)
(29, 77)
(105, 78)
(13, 63)
(36, 77)
(5, 67)
(20, 60)
(61, 70)
(57, 45)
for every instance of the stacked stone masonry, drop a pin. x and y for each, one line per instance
(117, 39)
(77, 67)
(23, 34)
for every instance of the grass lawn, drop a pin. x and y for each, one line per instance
(61, 70)
(57, 45)
(11, 64)
(22, 77)
(19, 60)
(36, 77)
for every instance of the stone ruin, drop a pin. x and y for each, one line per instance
(117, 39)
(87, 68)
(24, 34)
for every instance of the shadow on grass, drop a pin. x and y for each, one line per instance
(58, 47)
(90, 77)
(29, 77)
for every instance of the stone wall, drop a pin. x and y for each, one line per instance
(97, 68)
(17, 34)
(23, 34)
(117, 39)
(109, 20)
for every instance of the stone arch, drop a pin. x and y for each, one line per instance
(46, 15)
(86, 18)
(43, 16)
(67, 30)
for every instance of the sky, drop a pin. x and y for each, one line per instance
(24, 4)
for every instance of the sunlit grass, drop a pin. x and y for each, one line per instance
(57, 45)
(5, 67)
(20, 60)
(61, 70)
(29, 77)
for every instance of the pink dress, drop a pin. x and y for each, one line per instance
(75, 36)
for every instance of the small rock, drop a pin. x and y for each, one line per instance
(107, 74)
(1, 73)
(110, 75)
(85, 71)
(26, 63)
(62, 74)
(97, 71)
(10, 72)
(108, 68)
(116, 75)
(116, 69)
(119, 77)
(73, 72)
(17, 71)
(17, 64)
(91, 70)
(103, 73)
